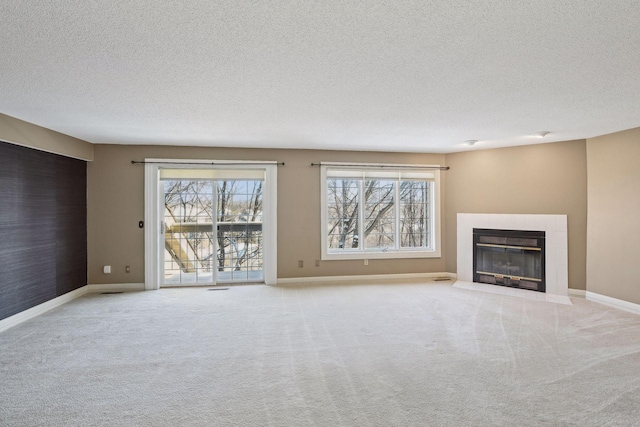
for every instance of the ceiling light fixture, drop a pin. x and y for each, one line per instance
(471, 141)
(541, 134)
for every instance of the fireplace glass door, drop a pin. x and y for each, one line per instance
(509, 258)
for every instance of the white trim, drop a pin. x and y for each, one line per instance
(363, 278)
(323, 213)
(613, 302)
(577, 293)
(152, 267)
(436, 222)
(32, 312)
(270, 225)
(115, 287)
(39, 309)
(371, 254)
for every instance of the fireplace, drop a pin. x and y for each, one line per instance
(514, 258)
(556, 277)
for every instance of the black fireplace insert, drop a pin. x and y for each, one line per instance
(511, 258)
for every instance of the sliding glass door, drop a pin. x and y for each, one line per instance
(212, 226)
(239, 231)
(188, 225)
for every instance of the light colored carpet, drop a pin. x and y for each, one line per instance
(336, 355)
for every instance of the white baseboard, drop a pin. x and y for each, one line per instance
(115, 287)
(613, 302)
(577, 293)
(364, 278)
(32, 312)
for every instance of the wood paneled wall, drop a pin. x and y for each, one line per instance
(43, 227)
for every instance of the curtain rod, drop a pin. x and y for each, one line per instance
(134, 162)
(442, 168)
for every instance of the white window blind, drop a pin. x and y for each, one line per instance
(211, 174)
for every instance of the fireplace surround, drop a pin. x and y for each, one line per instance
(556, 259)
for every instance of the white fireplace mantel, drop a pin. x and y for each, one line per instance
(554, 226)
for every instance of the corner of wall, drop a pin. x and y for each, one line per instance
(19, 132)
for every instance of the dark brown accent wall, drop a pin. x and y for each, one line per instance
(43, 227)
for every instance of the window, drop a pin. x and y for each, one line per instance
(379, 211)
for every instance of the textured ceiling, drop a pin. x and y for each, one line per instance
(393, 75)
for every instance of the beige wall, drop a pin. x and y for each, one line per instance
(116, 204)
(533, 179)
(29, 135)
(614, 210)
(544, 178)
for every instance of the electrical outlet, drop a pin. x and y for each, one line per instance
(317, 263)
(300, 263)
(127, 269)
(366, 262)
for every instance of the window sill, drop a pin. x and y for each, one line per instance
(380, 255)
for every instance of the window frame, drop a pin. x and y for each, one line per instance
(434, 215)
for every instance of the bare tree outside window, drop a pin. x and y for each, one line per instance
(342, 215)
(190, 233)
(380, 208)
(413, 214)
(240, 221)
(379, 201)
